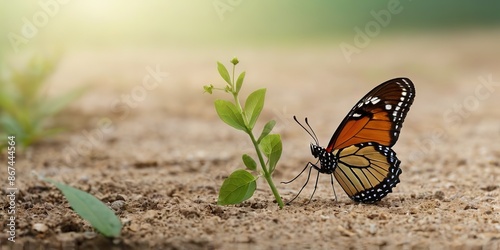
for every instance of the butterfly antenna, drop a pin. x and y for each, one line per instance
(313, 135)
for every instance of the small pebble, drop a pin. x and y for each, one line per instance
(89, 235)
(345, 232)
(121, 197)
(117, 205)
(39, 227)
(470, 206)
(134, 227)
(150, 214)
(439, 195)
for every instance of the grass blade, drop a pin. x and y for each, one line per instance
(56, 104)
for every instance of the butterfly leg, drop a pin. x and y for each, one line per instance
(294, 178)
(331, 178)
(315, 186)
(310, 165)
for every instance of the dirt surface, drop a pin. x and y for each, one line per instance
(160, 159)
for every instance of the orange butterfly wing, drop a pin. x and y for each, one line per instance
(377, 117)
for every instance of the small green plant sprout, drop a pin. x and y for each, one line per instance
(91, 209)
(241, 184)
(24, 108)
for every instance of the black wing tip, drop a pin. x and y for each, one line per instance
(399, 78)
(403, 79)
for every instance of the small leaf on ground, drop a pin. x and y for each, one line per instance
(91, 209)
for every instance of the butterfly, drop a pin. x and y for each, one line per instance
(359, 154)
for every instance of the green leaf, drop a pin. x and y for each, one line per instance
(254, 105)
(271, 147)
(223, 72)
(249, 162)
(238, 187)
(91, 209)
(267, 129)
(229, 114)
(239, 82)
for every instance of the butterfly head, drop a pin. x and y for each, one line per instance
(315, 150)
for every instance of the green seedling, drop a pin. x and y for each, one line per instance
(24, 108)
(241, 184)
(91, 209)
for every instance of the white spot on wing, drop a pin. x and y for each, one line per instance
(388, 106)
(375, 100)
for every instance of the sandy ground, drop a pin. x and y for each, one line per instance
(160, 159)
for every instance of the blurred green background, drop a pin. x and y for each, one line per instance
(113, 23)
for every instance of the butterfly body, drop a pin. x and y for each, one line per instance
(359, 154)
(328, 161)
